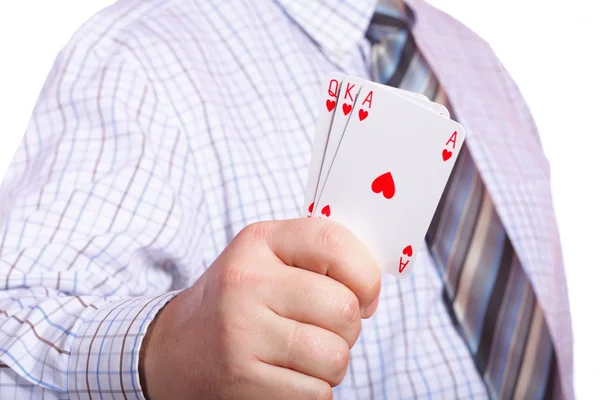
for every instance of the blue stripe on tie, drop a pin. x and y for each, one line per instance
(509, 318)
(389, 10)
(450, 228)
(488, 285)
(546, 354)
(398, 46)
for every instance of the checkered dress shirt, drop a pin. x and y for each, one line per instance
(163, 129)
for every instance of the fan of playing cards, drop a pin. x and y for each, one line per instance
(381, 159)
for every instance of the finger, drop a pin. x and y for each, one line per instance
(315, 299)
(327, 248)
(274, 382)
(304, 348)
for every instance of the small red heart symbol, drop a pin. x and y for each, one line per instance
(362, 114)
(326, 211)
(346, 108)
(310, 208)
(330, 105)
(407, 251)
(384, 183)
(446, 155)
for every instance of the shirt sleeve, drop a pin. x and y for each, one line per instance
(95, 214)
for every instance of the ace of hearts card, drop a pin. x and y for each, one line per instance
(380, 163)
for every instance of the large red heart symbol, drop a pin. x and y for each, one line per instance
(362, 114)
(326, 211)
(384, 184)
(330, 105)
(407, 251)
(346, 108)
(310, 208)
(446, 155)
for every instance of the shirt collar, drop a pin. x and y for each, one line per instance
(335, 25)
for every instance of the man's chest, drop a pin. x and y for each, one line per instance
(248, 114)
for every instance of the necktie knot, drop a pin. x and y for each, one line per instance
(392, 44)
(389, 19)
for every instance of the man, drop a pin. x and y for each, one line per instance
(148, 241)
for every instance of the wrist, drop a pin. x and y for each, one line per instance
(147, 355)
(151, 345)
(155, 352)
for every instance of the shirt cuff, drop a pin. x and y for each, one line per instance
(104, 360)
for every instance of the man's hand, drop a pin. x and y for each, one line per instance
(274, 317)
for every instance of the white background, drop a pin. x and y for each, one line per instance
(550, 47)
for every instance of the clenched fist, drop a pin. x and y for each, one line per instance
(274, 317)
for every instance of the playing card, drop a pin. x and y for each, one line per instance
(416, 97)
(348, 94)
(327, 109)
(389, 173)
(421, 100)
(350, 87)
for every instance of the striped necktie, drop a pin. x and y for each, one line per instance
(486, 291)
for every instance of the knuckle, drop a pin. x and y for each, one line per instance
(333, 237)
(350, 312)
(294, 336)
(245, 324)
(242, 275)
(350, 319)
(233, 277)
(255, 231)
(339, 362)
